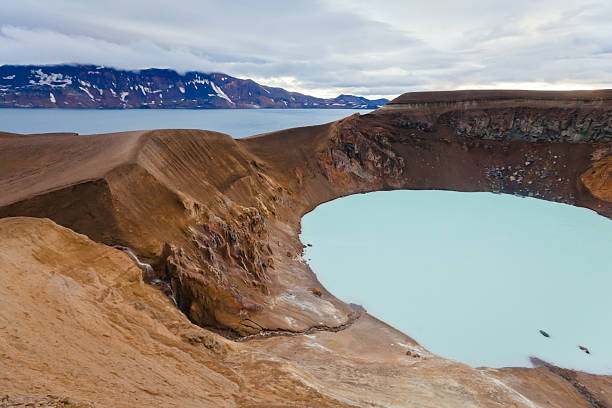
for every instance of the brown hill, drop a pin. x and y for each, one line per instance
(218, 219)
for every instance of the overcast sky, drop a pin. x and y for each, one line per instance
(365, 47)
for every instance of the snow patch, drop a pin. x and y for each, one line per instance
(198, 80)
(144, 90)
(415, 350)
(145, 267)
(181, 89)
(52, 98)
(9, 77)
(87, 92)
(123, 96)
(220, 93)
(52, 80)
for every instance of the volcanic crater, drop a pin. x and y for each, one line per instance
(231, 314)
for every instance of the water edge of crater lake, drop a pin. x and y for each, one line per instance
(473, 276)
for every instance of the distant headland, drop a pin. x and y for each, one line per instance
(89, 86)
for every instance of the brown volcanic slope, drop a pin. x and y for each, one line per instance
(218, 219)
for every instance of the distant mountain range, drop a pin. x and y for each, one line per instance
(88, 86)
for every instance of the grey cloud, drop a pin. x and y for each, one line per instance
(372, 47)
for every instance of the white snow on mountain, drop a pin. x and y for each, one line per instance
(220, 92)
(52, 80)
(87, 92)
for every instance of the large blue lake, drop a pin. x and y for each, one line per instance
(470, 276)
(235, 122)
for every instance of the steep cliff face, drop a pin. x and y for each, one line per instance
(88, 86)
(218, 219)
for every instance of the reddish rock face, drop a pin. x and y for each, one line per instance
(598, 179)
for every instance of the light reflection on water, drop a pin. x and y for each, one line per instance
(473, 276)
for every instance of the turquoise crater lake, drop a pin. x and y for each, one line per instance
(473, 276)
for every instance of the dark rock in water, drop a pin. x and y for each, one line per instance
(586, 350)
(543, 333)
(538, 362)
(358, 308)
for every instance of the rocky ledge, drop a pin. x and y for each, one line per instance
(214, 288)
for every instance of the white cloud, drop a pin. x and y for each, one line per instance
(367, 47)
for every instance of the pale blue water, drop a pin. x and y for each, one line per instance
(235, 122)
(473, 276)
